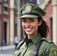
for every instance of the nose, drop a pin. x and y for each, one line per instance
(28, 24)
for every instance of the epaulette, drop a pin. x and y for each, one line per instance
(47, 40)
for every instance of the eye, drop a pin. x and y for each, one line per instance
(32, 20)
(24, 20)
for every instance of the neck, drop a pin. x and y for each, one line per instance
(29, 37)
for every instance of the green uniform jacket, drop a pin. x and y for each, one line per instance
(47, 48)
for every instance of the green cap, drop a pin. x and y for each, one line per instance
(31, 11)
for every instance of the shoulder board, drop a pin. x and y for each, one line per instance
(47, 40)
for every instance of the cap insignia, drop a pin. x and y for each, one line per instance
(28, 9)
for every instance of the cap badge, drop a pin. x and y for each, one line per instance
(28, 9)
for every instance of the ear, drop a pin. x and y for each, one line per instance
(40, 22)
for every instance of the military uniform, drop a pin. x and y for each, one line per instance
(47, 47)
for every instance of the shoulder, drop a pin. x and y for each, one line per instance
(47, 40)
(49, 47)
(48, 43)
(18, 51)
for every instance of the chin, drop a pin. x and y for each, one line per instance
(29, 33)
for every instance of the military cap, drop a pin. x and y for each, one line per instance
(31, 11)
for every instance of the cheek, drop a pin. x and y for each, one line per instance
(35, 24)
(23, 25)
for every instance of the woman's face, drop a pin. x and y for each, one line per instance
(30, 26)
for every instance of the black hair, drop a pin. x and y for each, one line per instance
(43, 28)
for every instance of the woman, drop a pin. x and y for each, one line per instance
(35, 28)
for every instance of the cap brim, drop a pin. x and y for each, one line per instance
(29, 16)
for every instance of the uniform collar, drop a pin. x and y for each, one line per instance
(36, 38)
(28, 41)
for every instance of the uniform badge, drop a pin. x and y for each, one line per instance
(53, 51)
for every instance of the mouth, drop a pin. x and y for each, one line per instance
(28, 30)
